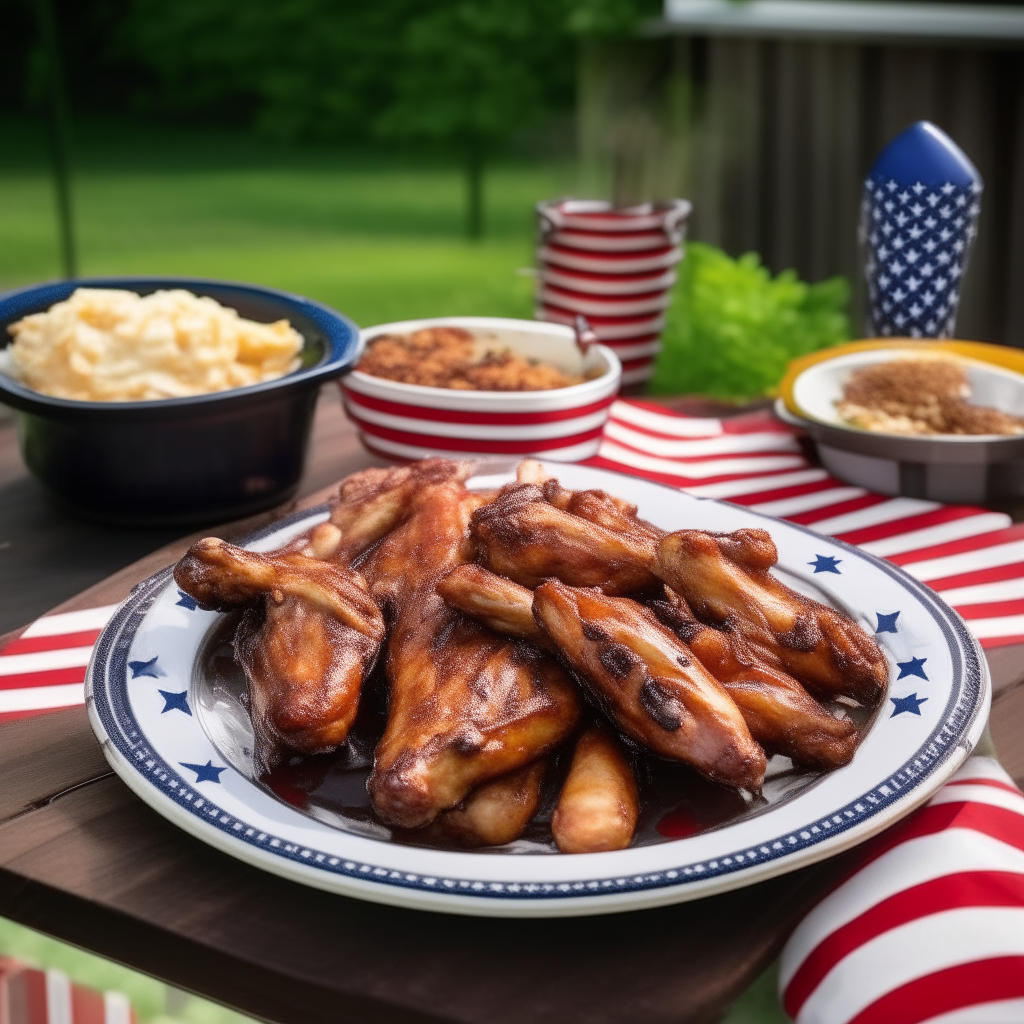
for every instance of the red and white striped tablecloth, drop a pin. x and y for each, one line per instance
(928, 928)
(973, 557)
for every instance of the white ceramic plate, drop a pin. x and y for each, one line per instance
(174, 745)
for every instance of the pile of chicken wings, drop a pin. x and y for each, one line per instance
(515, 622)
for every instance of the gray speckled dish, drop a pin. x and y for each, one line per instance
(959, 469)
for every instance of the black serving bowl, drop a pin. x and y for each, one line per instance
(180, 460)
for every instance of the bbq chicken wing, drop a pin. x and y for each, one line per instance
(648, 683)
(466, 704)
(497, 812)
(603, 509)
(370, 504)
(524, 537)
(608, 657)
(781, 715)
(308, 638)
(725, 580)
(495, 601)
(599, 803)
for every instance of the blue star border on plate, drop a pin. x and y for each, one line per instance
(913, 667)
(148, 669)
(208, 772)
(887, 622)
(175, 702)
(186, 601)
(910, 704)
(826, 563)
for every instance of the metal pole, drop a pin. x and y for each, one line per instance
(60, 135)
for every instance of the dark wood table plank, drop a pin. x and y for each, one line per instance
(99, 868)
(83, 859)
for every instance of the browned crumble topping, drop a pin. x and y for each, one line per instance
(919, 396)
(444, 357)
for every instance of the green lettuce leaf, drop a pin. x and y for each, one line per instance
(733, 328)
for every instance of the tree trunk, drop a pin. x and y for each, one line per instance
(60, 133)
(474, 191)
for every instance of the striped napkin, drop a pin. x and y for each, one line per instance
(44, 668)
(930, 924)
(974, 558)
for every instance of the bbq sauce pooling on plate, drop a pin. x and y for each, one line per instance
(675, 802)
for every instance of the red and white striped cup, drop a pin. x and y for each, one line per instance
(410, 421)
(615, 267)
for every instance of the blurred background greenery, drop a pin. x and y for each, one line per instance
(383, 158)
(377, 235)
(466, 80)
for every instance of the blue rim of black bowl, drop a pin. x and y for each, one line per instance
(340, 336)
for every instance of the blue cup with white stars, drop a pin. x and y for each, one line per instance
(918, 221)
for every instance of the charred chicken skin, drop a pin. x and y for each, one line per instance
(647, 683)
(599, 803)
(781, 715)
(308, 638)
(524, 537)
(724, 578)
(604, 510)
(640, 674)
(496, 611)
(466, 704)
(373, 502)
(497, 812)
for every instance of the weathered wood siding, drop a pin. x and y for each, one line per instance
(771, 139)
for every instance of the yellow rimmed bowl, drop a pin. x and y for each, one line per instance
(969, 469)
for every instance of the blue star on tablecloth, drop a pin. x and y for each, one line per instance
(175, 702)
(887, 622)
(909, 704)
(146, 668)
(186, 601)
(204, 772)
(914, 667)
(826, 563)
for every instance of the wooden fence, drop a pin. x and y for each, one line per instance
(772, 137)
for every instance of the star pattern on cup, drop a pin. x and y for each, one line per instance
(917, 240)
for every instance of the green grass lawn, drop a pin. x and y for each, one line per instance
(378, 237)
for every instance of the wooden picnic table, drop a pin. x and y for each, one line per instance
(83, 859)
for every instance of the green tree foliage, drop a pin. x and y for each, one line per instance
(475, 72)
(610, 17)
(463, 77)
(733, 328)
(290, 69)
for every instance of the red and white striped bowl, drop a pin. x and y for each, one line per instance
(598, 215)
(610, 263)
(409, 421)
(607, 328)
(607, 284)
(609, 241)
(605, 305)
